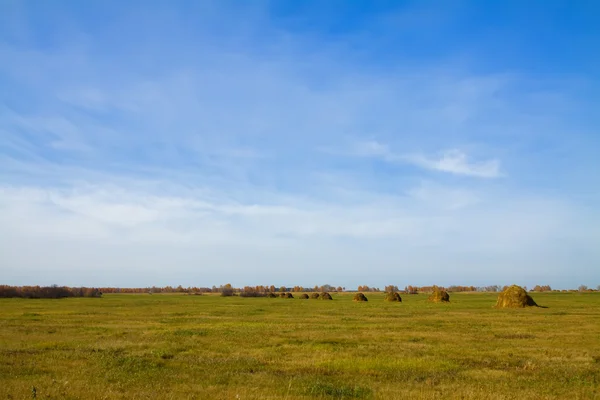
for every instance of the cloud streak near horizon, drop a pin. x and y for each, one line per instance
(165, 149)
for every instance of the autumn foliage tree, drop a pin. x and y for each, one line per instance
(411, 289)
(226, 290)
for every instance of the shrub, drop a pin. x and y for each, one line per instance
(48, 292)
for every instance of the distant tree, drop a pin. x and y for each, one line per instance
(582, 288)
(411, 289)
(391, 289)
(283, 289)
(226, 290)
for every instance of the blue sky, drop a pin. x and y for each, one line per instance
(288, 142)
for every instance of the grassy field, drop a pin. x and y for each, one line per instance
(196, 347)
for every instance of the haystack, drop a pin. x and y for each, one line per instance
(393, 296)
(288, 295)
(325, 296)
(360, 297)
(314, 295)
(514, 297)
(439, 296)
(304, 296)
(271, 295)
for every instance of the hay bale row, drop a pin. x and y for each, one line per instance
(288, 295)
(512, 297)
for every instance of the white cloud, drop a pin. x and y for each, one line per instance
(452, 161)
(456, 162)
(209, 236)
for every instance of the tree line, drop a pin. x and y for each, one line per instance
(55, 291)
(47, 292)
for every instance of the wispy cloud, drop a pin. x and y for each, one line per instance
(429, 225)
(452, 161)
(456, 162)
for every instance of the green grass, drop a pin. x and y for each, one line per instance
(186, 347)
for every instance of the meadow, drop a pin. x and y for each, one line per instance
(126, 346)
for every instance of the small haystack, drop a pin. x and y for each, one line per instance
(439, 296)
(514, 297)
(271, 295)
(314, 295)
(325, 296)
(360, 297)
(286, 295)
(393, 296)
(304, 296)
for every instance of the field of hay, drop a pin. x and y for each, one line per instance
(197, 347)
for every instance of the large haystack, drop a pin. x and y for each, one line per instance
(286, 295)
(439, 296)
(314, 295)
(514, 297)
(393, 296)
(360, 297)
(304, 296)
(271, 295)
(325, 296)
